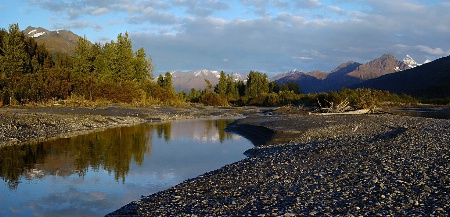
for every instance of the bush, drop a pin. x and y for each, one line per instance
(272, 99)
(213, 99)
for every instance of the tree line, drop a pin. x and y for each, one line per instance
(113, 72)
(110, 71)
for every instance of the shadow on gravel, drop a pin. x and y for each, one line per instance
(256, 134)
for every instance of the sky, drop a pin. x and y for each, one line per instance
(270, 36)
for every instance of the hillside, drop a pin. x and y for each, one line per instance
(308, 81)
(430, 80)
(59, 41)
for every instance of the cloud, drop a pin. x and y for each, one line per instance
(433, 51)
(267, 35)
(202, 8)
(302, 58)
(149, 15)
(100, 11)
(78, 25)
(307, 3)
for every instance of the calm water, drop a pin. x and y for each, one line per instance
(427, 112)
(92, 175)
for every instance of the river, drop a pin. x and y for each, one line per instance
(97, 173)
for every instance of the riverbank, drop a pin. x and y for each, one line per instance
(336, 165)
(33, 124)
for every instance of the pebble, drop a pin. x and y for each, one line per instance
(390, 166)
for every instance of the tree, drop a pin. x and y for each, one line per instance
(209, 86)
(221, 87)
(274, 87)
(232, 88)
(142, 67)
(257, 84)
(291, 86)
(13, 61)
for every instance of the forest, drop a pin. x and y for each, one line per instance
(113, 73)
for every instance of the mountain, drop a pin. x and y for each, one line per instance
(62, 41)
(383, 65)
(308, 81)
(408, 60)
(429, 80)
(340, 77)
(346, 74)
(196, 79)
(286, 74)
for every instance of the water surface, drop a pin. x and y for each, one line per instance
(94, 174)
(437, 112)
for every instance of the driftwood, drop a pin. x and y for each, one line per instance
(339, 108)
(355, 112)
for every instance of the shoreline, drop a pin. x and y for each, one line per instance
(21, 125)
(336, 165)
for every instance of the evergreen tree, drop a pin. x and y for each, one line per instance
(123, 59)
(221, 87)
(142, 66)
(168, 82)
(232, 88)
(274, 87)
(13, 62)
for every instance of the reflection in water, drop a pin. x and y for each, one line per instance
(73, 175)
(111, 150)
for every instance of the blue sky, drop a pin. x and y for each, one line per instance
(270, 36)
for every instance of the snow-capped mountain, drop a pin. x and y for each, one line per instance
(196, 79)
(286, 74)
(408, 60)
(63, 41)
(426, 61)
(35, 32)
(207, 73)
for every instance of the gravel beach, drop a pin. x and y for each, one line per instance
(334, 165)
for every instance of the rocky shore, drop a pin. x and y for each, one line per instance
(19, 125)
(337, 165)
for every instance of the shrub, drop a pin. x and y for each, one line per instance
(213, 99)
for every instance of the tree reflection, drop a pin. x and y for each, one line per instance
(112, 150)
(221, 124)
(164, 130)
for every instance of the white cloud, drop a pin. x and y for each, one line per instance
(302, 58)
(100, 11)
(265, 35)
(433, 51)
(77, 25)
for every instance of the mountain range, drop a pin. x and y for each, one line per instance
(347, 74)
(429, 79)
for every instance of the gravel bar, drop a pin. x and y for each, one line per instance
(336, 165)
(28, 125)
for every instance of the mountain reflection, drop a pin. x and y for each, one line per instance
(112, 150)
